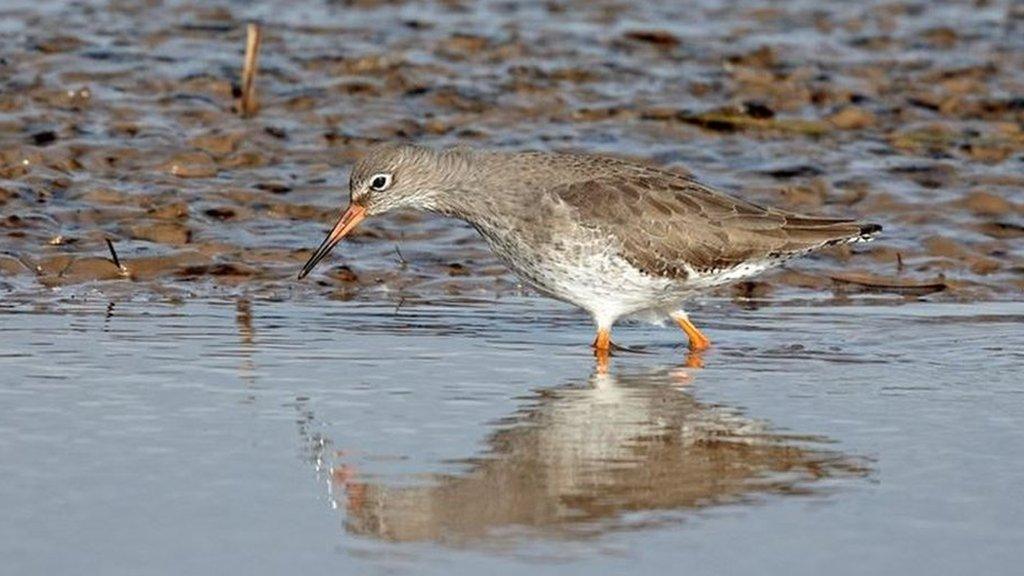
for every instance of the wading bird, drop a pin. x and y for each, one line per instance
(613, 237)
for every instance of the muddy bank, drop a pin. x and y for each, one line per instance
(120, 122)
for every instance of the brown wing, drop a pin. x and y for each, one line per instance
(664, 221)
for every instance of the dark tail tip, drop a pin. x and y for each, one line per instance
(868, 230)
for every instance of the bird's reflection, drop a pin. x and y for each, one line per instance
(582, 458)
(247, 341)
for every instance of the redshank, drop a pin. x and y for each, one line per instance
(613, 237)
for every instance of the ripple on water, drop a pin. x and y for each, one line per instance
(485, 428)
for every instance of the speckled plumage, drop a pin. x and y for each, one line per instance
(613, 237)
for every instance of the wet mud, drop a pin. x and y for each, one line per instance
(120, 121)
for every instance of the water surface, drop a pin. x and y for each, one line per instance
(353, 437)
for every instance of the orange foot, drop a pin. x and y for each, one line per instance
(698, 341)
(693, 360)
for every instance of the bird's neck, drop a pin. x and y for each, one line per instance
(480, 185)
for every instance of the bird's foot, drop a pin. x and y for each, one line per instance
(693, 359)
(698, 341)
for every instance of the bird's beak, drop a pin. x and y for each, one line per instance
(353, 216)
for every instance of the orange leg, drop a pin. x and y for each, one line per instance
(602, 349)
(698, 341)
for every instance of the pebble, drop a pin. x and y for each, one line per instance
(217, 144)
(191, 165)
(10, 266)
(852, 118)
(985, 203)
(171, 233)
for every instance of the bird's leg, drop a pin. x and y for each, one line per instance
(698, 341)
(602, 348)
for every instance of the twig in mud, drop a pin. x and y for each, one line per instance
(65, 268)
(248, 105)
(113, 256)
(35, 268)
(401, 259)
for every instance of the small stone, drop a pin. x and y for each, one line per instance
(942, 37)
(244, 159)
(172, 211)
(221, 213)
(751, 290)
(344, 274)
(987, 204)
(456, 269)
(1004, 230)
(191, 165)
(218, 144)
(88, 269)
(150, 267)
(989, 153)
(276, 132)
(465, 43)
(58, 44)
(221, 269)
(944, 247)
(984, 266)
(54, 265)
(164, 233)
(11, 266)
(659, 38)
(852, 118)
(274, 187)
(104, 196)
(763, 57)
(44, 138)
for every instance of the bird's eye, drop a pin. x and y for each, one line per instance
(380, 181)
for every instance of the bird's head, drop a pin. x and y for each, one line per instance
(389, 177)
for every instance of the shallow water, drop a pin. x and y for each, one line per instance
(407, 407)
(359, 438)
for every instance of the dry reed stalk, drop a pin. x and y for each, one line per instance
(249, 105)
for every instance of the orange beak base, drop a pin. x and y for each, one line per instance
(349, 220)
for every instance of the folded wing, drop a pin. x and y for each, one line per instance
(668, 224)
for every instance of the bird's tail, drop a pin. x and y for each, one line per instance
(866, 233)
(812, 233)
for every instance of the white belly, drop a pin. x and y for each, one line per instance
(590, 275)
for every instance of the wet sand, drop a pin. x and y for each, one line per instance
(119, 121)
